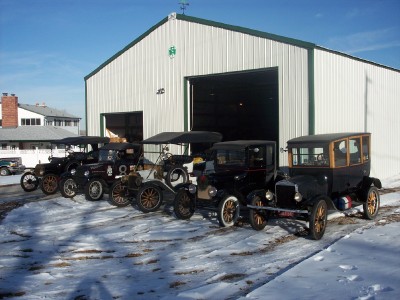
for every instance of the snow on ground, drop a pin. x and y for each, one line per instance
(76, 249)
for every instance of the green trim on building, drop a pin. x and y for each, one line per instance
(248, 31)
(185, 104)
(102, 124)
(311, 93)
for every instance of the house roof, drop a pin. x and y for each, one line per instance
(33, 134)
(47, 111)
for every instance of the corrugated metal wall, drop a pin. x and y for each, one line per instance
(352, 95)
(130, 81)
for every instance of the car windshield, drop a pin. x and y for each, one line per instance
(107, 155)
(230, 158)
(310, 157)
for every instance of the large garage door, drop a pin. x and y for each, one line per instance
(126, 125)
(241, 105)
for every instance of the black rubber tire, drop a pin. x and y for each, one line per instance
(67, 187)
(4, 171)
(318, 219)
(184, 205)
(118, 194)
(258, 218)
(29, 182)
(228, 211)
(372, 203)
(49, 184)
(94, 190)
(176, 175)
(149, 198)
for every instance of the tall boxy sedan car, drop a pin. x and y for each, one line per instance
(240, 167)
(47, 175)
(115, 160)
(326, 172)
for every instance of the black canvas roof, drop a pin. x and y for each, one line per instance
(323, 138)
(82, 140)
(240, 144)
(120, 146)
(184, 137)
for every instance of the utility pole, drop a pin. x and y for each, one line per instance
(183, 4)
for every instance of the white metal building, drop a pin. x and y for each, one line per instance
(187, 73)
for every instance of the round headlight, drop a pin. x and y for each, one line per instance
(269, 195)
(298, 197)
(192, 189)
(212, 191)
(87, 173)
(73, 171)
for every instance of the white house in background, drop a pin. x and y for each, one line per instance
(18, 114)
(24, 126)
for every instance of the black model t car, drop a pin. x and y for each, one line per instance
(240, 167)
(47, 174)
(115, 159)
(326, 172)
(167, 173)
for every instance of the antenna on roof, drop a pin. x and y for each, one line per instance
(183, 4)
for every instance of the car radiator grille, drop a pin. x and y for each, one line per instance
(285, 195)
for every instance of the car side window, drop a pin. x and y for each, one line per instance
(355, 151)
(260, 156)
(340, 153)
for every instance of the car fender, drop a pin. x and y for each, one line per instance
(313, 200)
(252, 194)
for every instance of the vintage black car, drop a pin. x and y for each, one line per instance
(168, 172)
(240, 167)
(47, 175)
(115, 159)
(326, 172)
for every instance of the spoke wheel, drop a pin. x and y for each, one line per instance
(258, 217)
(228, 211)
(372, 203)
(29, 182)
(49, 184)
(68, 187)
(118, 194)
(183, 205)
(149, 198)
(94, 190)
(318, 219)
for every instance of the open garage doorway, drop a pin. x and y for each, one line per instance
(124, 126)
(240, 105)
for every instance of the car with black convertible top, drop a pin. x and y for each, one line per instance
(240, 167)
(327, 172)
(47, 175)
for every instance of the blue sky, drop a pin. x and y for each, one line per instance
(47, 47)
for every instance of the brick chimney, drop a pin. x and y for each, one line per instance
(9, 109)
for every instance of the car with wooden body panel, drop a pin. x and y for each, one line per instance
(327, 172)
